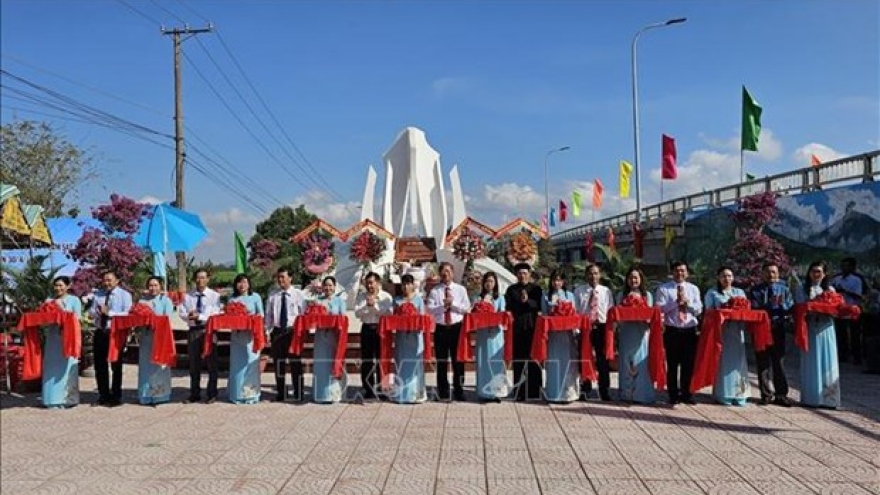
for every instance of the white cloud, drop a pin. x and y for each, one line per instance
(221, 227)
(769, 148)
(319, 203)
(151, 200)
(503, 202)
(802, 155)
(450, 84)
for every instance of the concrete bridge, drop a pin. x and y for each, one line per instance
(674, 214)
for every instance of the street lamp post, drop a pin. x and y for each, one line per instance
(547, 181)
(635, 89)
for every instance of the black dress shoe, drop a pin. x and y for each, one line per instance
(458, 397)
(278, 398)
(192, 399)
(763, 401)
(605, 397)
(783, 402)
(114, 403)
(689, 400)
(210, 400)
(103, 401)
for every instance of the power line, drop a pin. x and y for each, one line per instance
(172, 14)
(138, 12)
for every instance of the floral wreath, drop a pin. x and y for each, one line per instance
(367, 248)
(523, 249)
(317, 254)
(468, 247)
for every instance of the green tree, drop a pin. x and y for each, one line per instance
(282, 224)
(32, 284)
(47, 168)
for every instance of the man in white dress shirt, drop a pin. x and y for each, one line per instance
(282, 308)
(112, 301)
(198, 305)
(447, 303)
(854, 289)
(369, 306)
(680, 303)
(594, 300)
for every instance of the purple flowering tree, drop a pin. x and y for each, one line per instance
(752, 247)
(111, 247)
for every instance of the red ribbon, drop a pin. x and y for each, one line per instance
(562, 308)
(653, 319)
(709, 346)
(389, 324)
(483, 307)
(29, 325)
(834, 307)
(406, 309)
(547, 324)
(251, 323)
(236, 308)
(307, 322)
(478, 321)
(163, 353)
(316, 309)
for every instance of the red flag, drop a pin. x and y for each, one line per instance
(589, 246)
(815, 161)
(597, 194)
(668, 170)
(638, 240)
(563, 211)
(611, 239)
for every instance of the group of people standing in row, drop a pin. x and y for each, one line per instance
(678, 300)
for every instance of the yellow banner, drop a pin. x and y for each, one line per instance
(625, 171)
(13, 217)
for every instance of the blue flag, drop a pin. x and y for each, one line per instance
(553, 217)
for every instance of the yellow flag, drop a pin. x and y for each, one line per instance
(576, 203)
(625, 171)
(669, 234)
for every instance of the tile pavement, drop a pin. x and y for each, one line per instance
(439, 448)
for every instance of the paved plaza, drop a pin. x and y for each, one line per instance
(441, 448)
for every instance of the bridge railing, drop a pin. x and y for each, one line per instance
(858, 168)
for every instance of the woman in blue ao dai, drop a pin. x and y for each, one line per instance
(326, 389)
(634, 378)
(731, 385)
(492, 382)
(562, 383)
(154, 381)
(409, 351)
(819, 371)
(60, 373)
(244, 363)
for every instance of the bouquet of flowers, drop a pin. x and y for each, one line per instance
(562, 308)
(367, 248)
(468, 247)
(634, 301)
(236, 308)
(831, 298)
(737, 302)
(406, 309)
(49, 307)
(141, 309)
(482, 306)
(523, 249)
(316, 309)
(317, 254)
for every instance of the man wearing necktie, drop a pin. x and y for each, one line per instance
(199, 305)
(447, 303)
(282, 308)
(371, 304)
(774, 297)
(680, 303)
(110, 302)
(594, 300)
(523, 299)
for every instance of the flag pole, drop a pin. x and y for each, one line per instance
(661, 188)
(742, 158)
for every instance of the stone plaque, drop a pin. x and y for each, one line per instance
(416, 249)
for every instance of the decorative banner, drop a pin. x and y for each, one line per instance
(669, 234)
(638, 240)
(669, 156)
(597, 194)
(611, 243)
(589, 246)
(625, 171)
(553, 217)
(563, 211)
(815, 161)
(544, 229)
(576, 203)
(240, 253)
(751, 122)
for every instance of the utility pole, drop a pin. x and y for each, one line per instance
(179, 150)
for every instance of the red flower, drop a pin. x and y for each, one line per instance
(49, 307)
(832, 298)
(316, 309)
(562, 308)
(483, 307)
(634, 301)
(406, 309)
(737, 302)
(236, 308)
(141, 309)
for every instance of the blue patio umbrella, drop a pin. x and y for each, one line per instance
(169, 229)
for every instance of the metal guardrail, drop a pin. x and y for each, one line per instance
(864, 168)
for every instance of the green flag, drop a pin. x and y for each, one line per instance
(240, 254)
(751, 122)
(576, 203)
(750, 177)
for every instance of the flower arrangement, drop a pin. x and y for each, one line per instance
(523, 249)
(562, 308)
(236, 308)
(317, 254)
(367, 248)
(831, 298)
(483, 307)
(316, 309)
(468, 247)
(737, 303)
(406, 309)
(49, 307)
(634, 301)
(141, 309)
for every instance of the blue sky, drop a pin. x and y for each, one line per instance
(493, 84)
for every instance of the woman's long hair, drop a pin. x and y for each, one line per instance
(719, 272)
(556, 274)
(495, 290)
(238, 278)
(643, 285)
(808, 282)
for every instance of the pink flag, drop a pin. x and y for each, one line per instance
(544, 227)
(668, 170)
